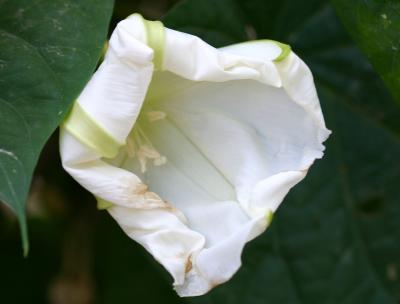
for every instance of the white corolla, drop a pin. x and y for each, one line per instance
(191, 149)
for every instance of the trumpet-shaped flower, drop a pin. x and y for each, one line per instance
(191, 149)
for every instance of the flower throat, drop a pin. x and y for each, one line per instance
(139, 146)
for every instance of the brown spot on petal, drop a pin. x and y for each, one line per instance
(141, 198)
(151, 196)
(141, 189)
(168, 206)
(188, 264)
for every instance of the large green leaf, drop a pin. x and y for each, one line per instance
(375, 26)
(48, 50)
(336, 238)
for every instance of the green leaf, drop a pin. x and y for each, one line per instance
(336, 237)
(48, 50)
(375, 27)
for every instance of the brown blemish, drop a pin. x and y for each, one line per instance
(168, 206)
(151, 196)
(143, 199)
(141, 189)
(188, 264)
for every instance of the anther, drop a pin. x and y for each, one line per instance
(139, 146)
(155, 115)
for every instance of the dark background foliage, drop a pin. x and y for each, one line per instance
(336, 238)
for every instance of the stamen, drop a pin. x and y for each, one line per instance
(160, 161)
(130, 147)
(155, 115)
(138, 145)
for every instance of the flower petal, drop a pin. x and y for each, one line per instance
(209, 155)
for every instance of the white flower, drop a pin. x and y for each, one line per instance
(191, 149)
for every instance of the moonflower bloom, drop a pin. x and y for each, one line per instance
(191, 149)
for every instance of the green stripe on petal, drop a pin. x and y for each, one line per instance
(81, 125)
(269, 216)
(285, 50)
(102, 204)
(155, 33)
